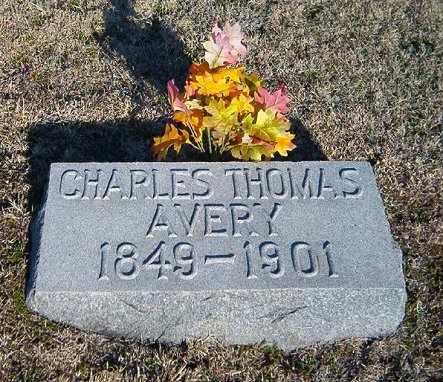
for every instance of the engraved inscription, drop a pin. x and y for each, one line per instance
(231, 225)
(253, 183)
(104, 252)
(304, 260)
(126, 266)
(271, 262)
(214, 220)
(185, 204)
(136, 184)
(184, 262)
(251, 263)
(310, 184)
(223, 258)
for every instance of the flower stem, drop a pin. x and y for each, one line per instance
(209, 140)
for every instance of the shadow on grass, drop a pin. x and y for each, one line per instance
(111, 141)
(307, 148)
(151, 50)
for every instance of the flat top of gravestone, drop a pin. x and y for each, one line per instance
(214, 226)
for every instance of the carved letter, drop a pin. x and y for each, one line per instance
(139, 178)
(115, 185)
(258, 181)
(241, 214)
(211, 217)
(207, 193)
(305, 191)
(178, 185)
(88, 181)
(156, 186)
(270, 217)
(322, 187)
(277, 189)
(345, 176)
(160, 222)
(232, 172)
(71, 192)
(189, 224)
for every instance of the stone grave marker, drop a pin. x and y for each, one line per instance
(290, 253)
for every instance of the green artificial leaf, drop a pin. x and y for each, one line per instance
(221, 117)
(269, 126)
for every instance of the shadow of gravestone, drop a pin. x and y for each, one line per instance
(308, 149)
(152, 53)
(111, 141)
(151, 50)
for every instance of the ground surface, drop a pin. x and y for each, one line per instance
(84, 80)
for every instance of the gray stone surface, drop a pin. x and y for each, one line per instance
(291, 253)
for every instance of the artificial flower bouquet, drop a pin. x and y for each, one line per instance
(225, 109)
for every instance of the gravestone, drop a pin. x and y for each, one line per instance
(290, 253)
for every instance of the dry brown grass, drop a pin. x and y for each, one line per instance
(80, 77)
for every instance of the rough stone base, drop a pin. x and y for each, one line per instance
(289, 319)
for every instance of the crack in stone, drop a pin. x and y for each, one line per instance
(134, 307)
(241, 297)
(163, 332)
(213, 295)
(283, 315)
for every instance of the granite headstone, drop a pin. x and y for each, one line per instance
(290, 253)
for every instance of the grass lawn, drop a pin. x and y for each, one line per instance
(85, 80)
